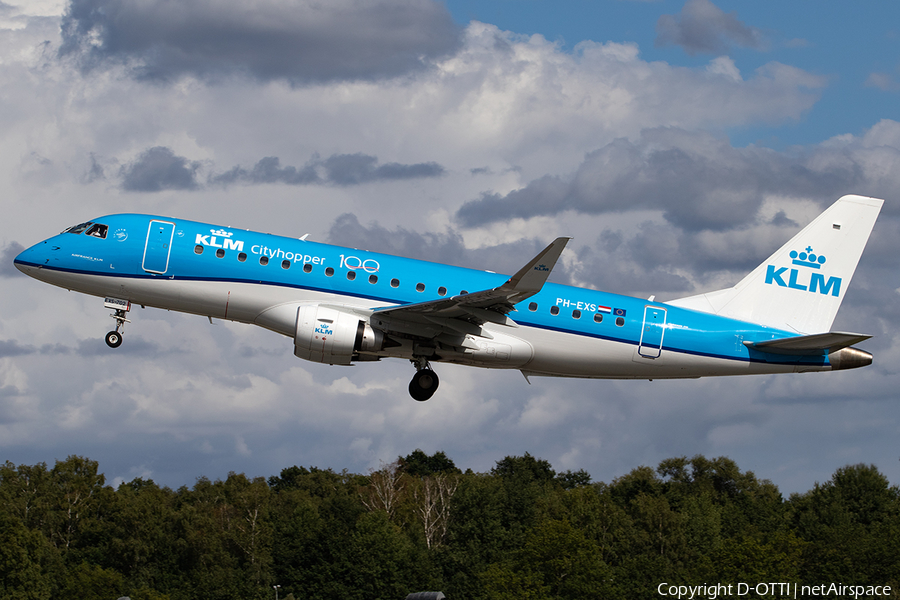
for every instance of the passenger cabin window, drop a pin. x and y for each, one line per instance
(598, 317)
(532, 306)
(220, 253)
(620, 321)
(329, 272)
(395, 282)
(97, 230)
(242, 256)
(351, 275)
(198, 249)
(442, 291)
(285, 264)
(420, 287)
(263, 260)
(576, 314)
(307, 268)
(554, 310)
(373, 278)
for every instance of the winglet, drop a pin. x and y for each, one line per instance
(531, 278)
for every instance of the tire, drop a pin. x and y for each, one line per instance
(423, 385)
(113, 339)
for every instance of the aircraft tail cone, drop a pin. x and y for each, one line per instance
(849, 358)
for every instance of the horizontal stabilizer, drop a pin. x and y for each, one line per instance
(809, 345)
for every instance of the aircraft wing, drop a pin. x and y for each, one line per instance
(809, 345)
(466, 313)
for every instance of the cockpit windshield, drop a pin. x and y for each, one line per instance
(92, 229)
(76, 229)
(97, 230)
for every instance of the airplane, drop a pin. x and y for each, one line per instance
(343, 305)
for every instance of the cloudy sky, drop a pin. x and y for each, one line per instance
(678, 142)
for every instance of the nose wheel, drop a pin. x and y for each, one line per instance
(424, 383)
(114, 338)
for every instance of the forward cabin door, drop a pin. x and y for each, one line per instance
(158, 246)
(652, 333)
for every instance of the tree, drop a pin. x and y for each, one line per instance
(23, 557)
(432, 496)
(524, 468)
(419, 464)
(385, 489)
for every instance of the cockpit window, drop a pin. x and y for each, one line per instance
(76, 229)
(97, 230)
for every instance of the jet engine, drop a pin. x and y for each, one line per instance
(328, 335)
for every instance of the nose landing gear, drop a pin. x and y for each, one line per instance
(424, 383)
(114, 338)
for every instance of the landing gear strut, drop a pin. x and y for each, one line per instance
(425, 382)
(114, 338)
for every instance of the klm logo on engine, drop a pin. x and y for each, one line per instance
(807, 281)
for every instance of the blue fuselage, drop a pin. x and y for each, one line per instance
(260, 278)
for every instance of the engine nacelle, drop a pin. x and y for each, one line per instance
(328, 335)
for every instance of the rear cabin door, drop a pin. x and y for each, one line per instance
(158, 246)
(652, 332)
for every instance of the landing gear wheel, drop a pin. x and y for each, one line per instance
(113, 339)
(423, 385)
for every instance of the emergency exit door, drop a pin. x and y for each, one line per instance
(652, 332)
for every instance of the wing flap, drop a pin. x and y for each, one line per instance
(467, 313)
(817, 344)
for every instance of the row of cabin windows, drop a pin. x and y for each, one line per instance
(420, 287)
(329, 271)
(576, 314)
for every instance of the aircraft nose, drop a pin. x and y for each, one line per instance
(34, 257)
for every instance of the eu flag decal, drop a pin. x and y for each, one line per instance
(619, 312)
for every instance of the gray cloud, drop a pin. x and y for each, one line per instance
(301, 42)
(698, 181)
(14, 348)
(9, 253)
(268, 170)
(704, 28)
(338, 169)
(159, 169)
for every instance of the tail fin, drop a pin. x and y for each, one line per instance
(800, 288)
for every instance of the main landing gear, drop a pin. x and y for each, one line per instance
(114, 338)
(425, 382)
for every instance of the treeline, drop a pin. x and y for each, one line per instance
(520, 531)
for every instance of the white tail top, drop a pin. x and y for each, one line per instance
(801, 286)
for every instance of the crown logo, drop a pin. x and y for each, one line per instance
(221, 232)
(807, 258)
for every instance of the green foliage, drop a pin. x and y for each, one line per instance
(523, 469)
(419, 464)
(520, 531)
(24, 556)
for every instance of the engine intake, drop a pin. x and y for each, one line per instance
(327, 335)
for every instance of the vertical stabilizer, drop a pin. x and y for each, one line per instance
(801, 286)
